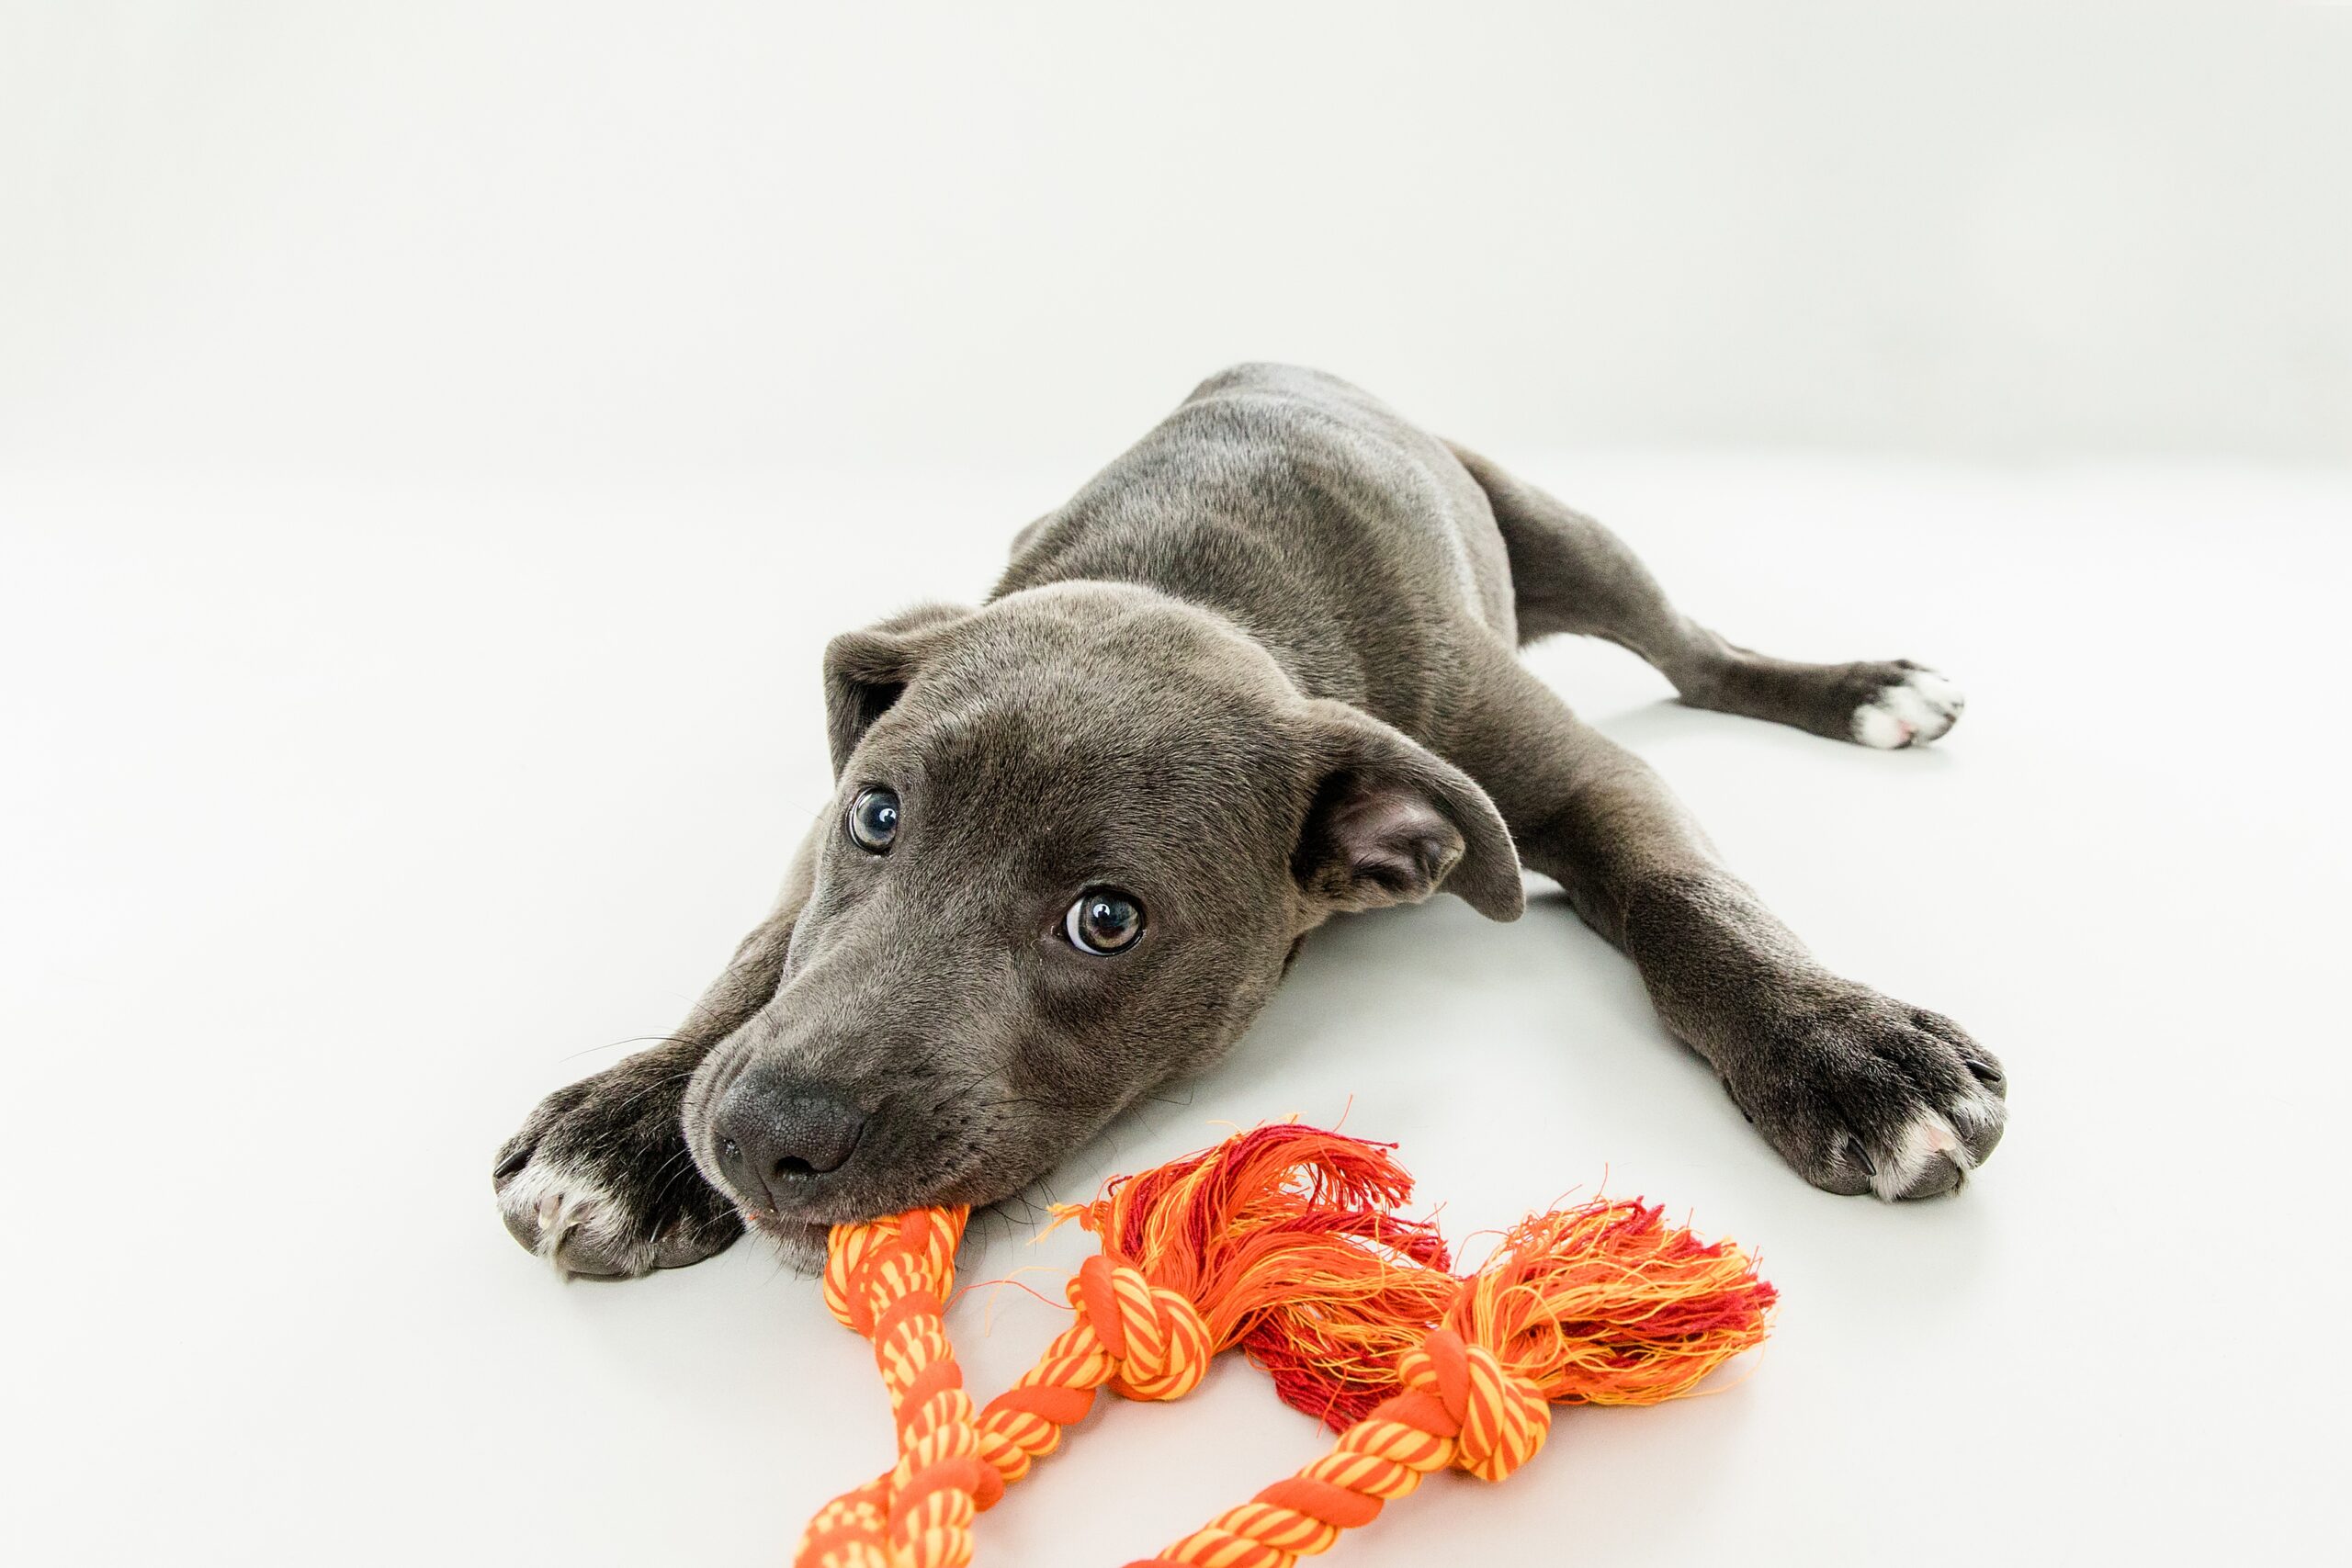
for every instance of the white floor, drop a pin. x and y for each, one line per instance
(344, 820)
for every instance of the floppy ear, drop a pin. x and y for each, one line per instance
(867, 670)
(1389, 822)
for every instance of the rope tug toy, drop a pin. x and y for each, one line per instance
(1283, 1242)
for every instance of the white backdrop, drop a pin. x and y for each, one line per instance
(448, 231)
(436, 439)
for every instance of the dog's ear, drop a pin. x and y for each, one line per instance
(867, 670)
(1389, 822)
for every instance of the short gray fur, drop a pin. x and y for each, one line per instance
(1257, 672)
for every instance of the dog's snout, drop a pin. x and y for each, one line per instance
(776, 1133)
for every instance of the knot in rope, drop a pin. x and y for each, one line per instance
(1159, 1346)
(1499, 1419)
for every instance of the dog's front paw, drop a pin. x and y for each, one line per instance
(1909, 704)
(599, 1183)
(1862, 1093)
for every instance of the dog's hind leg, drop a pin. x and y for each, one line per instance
(1857, 1090)
(1570, 574)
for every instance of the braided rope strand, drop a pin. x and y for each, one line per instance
(1459, 1406)
(1141, 1341)
(886, 1279)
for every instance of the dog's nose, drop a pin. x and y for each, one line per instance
(776, 1133)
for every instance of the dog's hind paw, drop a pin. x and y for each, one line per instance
(1914, 707)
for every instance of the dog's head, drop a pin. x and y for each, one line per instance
(1075, 838)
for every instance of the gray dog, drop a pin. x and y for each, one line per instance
(1257, 673)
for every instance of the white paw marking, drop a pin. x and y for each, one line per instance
(1912, 711)
(1928, 1137)
(563, 1202)
(1973, 1112)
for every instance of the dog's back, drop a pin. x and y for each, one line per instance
(1355, 547)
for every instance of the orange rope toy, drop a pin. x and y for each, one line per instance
(1284, 1242)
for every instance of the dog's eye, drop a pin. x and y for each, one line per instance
(1104, 921)
(874, 819)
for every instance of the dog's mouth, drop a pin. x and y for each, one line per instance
(804, 1234)
(796, 1237)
